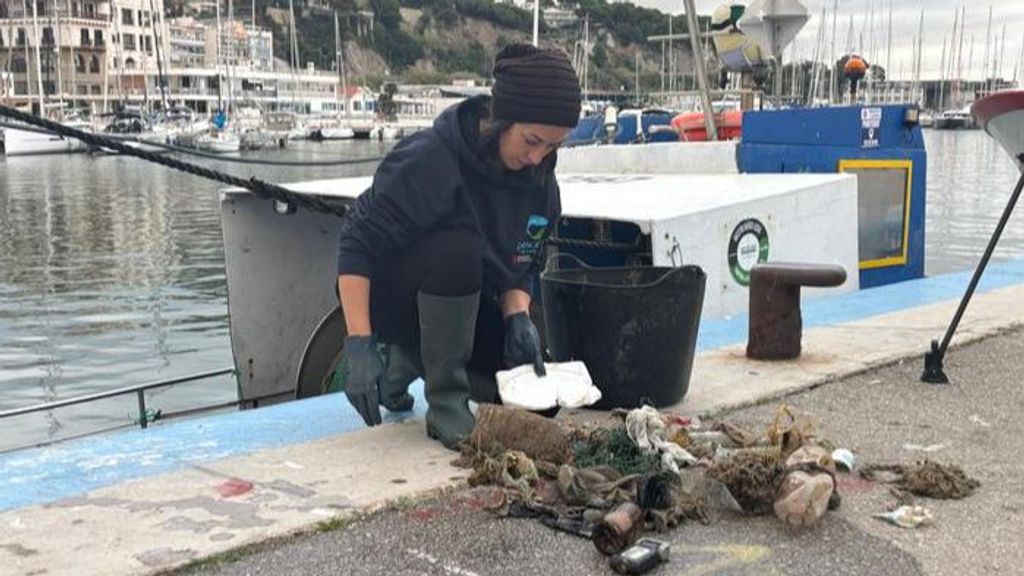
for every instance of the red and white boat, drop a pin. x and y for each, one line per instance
(1002, 116)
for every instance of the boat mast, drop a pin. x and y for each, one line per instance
(340, 59)
(942, 77)
(10, 56)
(812, 93)
(671, 59)
(536, 20)
(55, 27)
(960, 60)
(888, 46)
(39, 61)
(920, 58)
(71, 63)
(233, 56)
(970, 56)
(159, 58)
(988, 44)
(293, 50)
(1002, 53)
(951, 63)
(833, 57)
(869, 93)
(220, 55)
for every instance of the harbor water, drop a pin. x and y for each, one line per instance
(112, 270)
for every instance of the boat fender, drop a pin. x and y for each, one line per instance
(611, 122)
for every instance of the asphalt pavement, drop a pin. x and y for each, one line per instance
(885, 415)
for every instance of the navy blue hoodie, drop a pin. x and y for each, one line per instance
(441, 179)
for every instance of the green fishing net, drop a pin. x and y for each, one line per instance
(613, 447)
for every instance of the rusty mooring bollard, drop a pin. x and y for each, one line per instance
(775, 322)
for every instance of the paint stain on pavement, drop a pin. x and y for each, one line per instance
(234, 487)
(854, 484)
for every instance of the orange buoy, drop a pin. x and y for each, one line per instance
(690, 125)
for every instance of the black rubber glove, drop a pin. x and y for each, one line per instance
(522, 343)
(359, 374)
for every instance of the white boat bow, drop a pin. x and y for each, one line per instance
(1002, 116)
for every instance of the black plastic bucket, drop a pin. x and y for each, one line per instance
(635, 328)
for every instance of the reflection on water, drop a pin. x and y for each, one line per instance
(111, 275)
(970, 179)
(112, 270)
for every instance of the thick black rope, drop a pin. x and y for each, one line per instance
(258, 187)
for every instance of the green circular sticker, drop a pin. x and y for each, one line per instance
(748, 245)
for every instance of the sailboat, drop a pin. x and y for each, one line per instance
(334, 128)
(218, 139)
(32, 141)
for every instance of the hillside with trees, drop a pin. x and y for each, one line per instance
(418, 41)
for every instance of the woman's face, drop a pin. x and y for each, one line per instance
(523, 144)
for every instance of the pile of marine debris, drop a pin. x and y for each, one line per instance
(655, 470)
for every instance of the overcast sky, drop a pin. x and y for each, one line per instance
(938, 24)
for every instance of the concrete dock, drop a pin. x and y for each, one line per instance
(304, 489)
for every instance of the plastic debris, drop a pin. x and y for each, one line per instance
(907, 516)
(807, 487)
(648, 430)
(844, 458)
(567, 384)
(568, 476)
(803, 498)
(790, 430)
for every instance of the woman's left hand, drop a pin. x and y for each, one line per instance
(522, 343)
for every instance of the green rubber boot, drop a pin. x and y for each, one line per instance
(403, 366)
(447, 326)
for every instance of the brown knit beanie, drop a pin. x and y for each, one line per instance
(535, 85)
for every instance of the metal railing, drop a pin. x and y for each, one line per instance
(139, 390)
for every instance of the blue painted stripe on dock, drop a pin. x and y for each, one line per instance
(50, 473)
(47, 474)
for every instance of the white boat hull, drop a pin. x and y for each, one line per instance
(337, 133)
(28, 143)
(218, 144)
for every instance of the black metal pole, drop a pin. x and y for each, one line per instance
(933, 372)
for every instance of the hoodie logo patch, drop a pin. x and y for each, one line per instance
(536, 225)
(536, 228)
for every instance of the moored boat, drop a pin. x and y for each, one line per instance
(953, 120)
(31, 141)
(218, 142)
